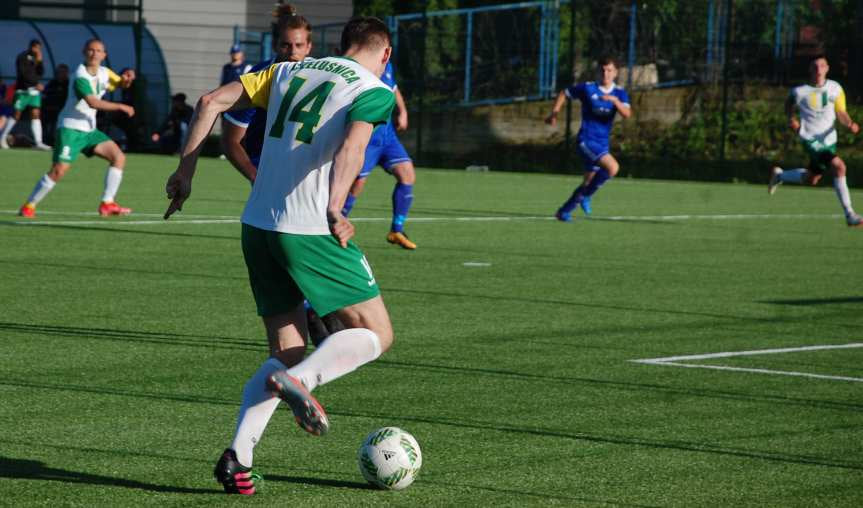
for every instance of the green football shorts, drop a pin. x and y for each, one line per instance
(284, 268)
(68, 143)
(23, 99)
(820, 155)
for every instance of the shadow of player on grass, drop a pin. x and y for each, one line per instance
(35, 470)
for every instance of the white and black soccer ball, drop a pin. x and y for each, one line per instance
(390, 458)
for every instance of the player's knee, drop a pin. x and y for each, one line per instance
(405, 173)
(35, 114)
(119, 159)
(838, 166)
(57, 171)
(612, 167)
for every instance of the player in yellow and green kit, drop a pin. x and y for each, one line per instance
(296, 241)
(77, 133)
(820, 103)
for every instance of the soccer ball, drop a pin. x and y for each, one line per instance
(390, 458)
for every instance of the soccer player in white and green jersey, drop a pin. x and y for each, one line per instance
(77, 133)
(320, 116)
(820, 102)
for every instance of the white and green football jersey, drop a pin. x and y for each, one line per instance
(77, 114)
(309, 105)
(818, 107)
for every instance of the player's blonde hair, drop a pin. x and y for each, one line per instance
(286, 17)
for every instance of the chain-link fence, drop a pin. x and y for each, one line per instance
(709, 79)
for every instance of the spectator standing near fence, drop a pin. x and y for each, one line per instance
(28, 89)
(232, 70)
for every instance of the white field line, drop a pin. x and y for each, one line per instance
(222, 219)
(678, 361)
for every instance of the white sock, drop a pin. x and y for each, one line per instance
(113, 177)
(10, 123)
(841, 187)
(341, 353)
(793, 175)
(43, 187)
(258, 406)
(36, 125)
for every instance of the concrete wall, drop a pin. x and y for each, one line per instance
(468, 130)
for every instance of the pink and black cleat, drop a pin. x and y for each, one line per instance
(235, 477)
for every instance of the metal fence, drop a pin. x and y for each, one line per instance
(525, 50)
(709, 77)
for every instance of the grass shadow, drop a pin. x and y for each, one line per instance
(110, 229)
(21, 469)
(177, 339)
(815, 301)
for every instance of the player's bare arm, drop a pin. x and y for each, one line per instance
(347, 164)
(793, 122)
(624, 109)
(551, 119)
(231, 140)
(845, 119)
(103, 105)
(402, 112)
(208, 109)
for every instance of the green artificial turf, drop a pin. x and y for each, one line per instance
(126, 343)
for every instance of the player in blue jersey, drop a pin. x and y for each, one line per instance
(243, 132)
(600, 102)
(385, 149)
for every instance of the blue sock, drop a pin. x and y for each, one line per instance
(403, 197)
(573, 200)
(599, 178)
(349, 204)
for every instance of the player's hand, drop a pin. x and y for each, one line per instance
(402, 121)
(340, 227)
(551, 119)
(178, 188)
(155, 137)
(129, 110)
(128, 77)
(40, 87)
(794, 124)
(855, 128)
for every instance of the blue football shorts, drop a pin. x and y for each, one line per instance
(590, 152)
(385, 150)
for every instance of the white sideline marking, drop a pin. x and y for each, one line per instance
(677, 361)
(223, 219)
(473, 264)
